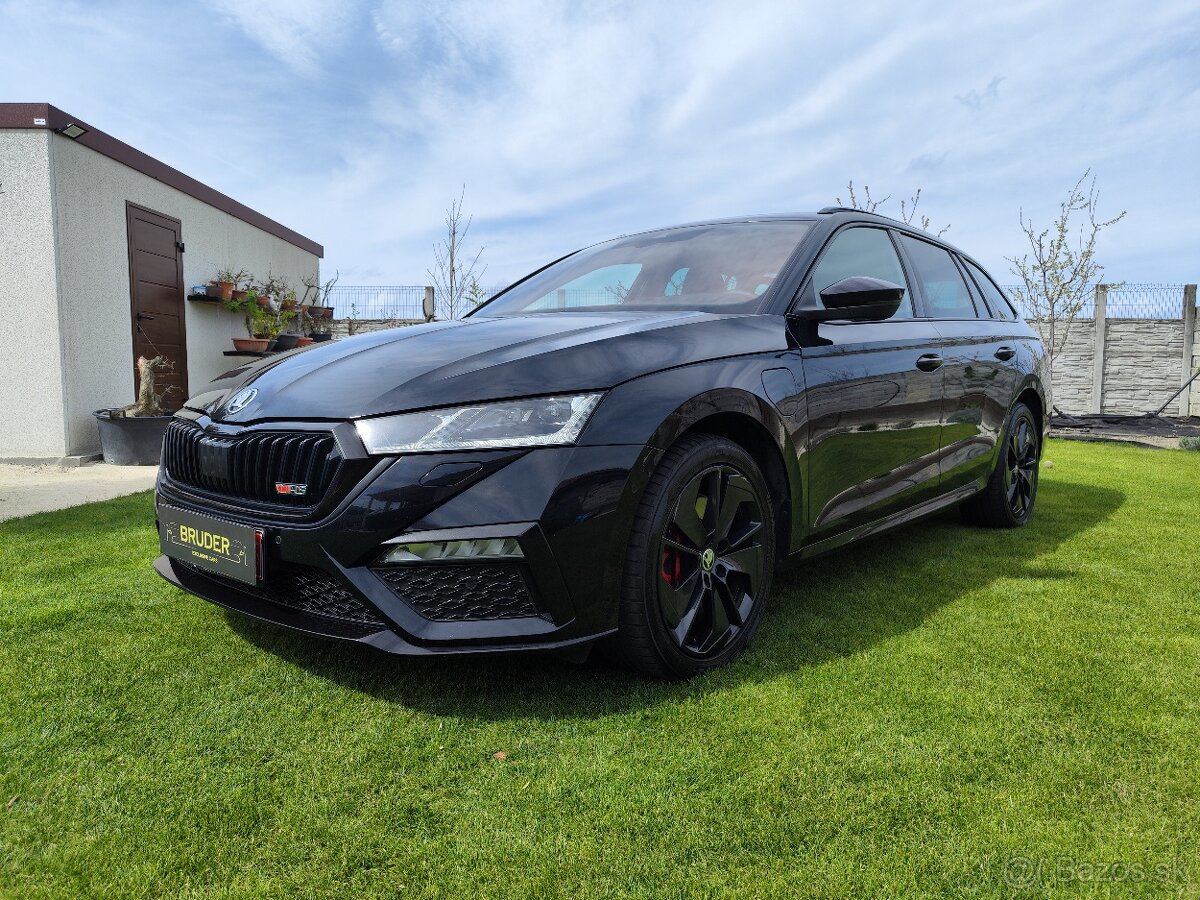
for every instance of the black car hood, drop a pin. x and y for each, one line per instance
(482, 358)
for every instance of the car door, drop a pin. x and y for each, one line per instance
(1000, 346)
(977, 385)
(874, 410)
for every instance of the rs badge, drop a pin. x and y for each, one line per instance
(292, 490)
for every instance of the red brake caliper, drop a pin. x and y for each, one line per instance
(671, 566)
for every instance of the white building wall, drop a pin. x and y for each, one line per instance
(31, 384)
(89, 194)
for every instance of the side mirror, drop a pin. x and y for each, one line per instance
(856, 299)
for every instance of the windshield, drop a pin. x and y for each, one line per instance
(713, 268)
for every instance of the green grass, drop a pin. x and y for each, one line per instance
(916, 711)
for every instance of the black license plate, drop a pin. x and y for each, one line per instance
(225, 548)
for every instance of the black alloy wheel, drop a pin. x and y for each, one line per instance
(1021, 470)
(1008, 499)
(712, 564)
(699, 562)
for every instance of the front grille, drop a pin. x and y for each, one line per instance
(317, 595)
(249, 466)
(462, 592)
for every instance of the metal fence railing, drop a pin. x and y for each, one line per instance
(401, 303)
(1128, 301)
(404, 303)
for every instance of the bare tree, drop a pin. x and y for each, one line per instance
(908, 212)
(1058, 273)
(908, 208)
(866, 203)
(455, 269)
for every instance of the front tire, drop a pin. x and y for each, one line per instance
(1008, 499)
(699, 561)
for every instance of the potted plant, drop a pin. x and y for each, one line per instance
(316, 296)
(288, 301)
(260, 297)
(243, 285)
(257, 321)
(284, 339)
(271, 291)
(319, 330)
(227, 280)
(133, 435)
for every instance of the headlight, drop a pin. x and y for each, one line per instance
(541, 422)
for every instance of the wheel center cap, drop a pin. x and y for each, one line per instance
(708, 559)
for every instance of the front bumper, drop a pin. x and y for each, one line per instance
(568, 507)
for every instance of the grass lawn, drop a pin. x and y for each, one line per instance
(916, 712)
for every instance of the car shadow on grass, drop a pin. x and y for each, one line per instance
(820, 610)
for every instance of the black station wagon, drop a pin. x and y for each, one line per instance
(617, 449)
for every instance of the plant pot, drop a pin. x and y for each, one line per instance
(327, 312)
(212, 289)
(288, 304)
(304, 341)
(239, 295)
(130, 442)
(321, 338)
(226, 288)
(286, 341)
(255, 344)
(271, 345)
(264, 301)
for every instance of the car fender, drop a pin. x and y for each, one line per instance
(656, 410)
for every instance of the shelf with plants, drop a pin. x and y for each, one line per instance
(276, 319)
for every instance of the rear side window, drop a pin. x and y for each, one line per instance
(862, 251)
(945, 291)
(1001, 308)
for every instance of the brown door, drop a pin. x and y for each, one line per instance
(156, 295)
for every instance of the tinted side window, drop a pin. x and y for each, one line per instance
(945, 291)
(996, 300)
(862, 251)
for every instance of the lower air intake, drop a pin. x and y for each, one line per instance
(464, 592)
(317, 595)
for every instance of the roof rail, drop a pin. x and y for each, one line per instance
(862, 212)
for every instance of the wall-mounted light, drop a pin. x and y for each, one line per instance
(72, 131)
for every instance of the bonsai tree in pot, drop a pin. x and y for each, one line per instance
(132, 435)
(227, 280)
(225, 285)
(316, 296)
(257, 323)
(263, 323)
(317, 328)
(242, 287)
(277, 330)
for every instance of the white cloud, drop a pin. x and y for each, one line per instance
(356, 123)
(296, 32)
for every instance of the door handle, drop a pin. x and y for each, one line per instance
(930, 362)
(145, 317)
(1005, 353)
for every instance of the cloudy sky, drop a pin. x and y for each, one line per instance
(356, 122)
